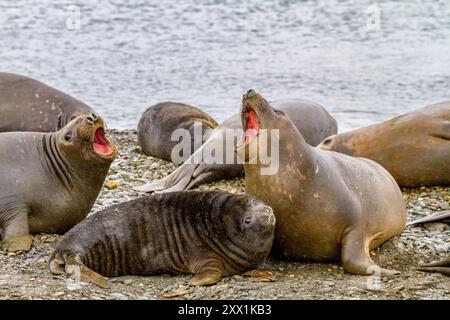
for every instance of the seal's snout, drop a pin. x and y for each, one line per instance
(249, 94)
(92, 118)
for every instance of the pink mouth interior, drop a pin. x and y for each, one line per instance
(100, 144)
(252, 126)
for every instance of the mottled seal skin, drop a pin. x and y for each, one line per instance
(413, 147)
(158, 122)
(328, 206)
(29, 105)
(49, 181)
(438, 266)
(311, 119)
(208, 233)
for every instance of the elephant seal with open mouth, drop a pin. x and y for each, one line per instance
(50, 181)
(328, 206)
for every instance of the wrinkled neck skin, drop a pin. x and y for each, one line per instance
(296, 157)
(70, 173)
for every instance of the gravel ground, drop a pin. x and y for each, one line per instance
(25, 276)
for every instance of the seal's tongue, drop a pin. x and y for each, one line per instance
(252, 125)
(100, 144)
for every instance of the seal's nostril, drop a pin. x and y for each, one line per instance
(251, 93)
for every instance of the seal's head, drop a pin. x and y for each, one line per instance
(339, 143)
(249, 224)
(84, 138)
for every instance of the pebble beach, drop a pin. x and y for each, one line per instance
(25, 275)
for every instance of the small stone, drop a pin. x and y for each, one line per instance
(128, 281)
(112, 184)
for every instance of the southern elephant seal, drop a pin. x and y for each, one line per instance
(208, 233)
(158, 122)
(328, 205)
(311, 119)
(29, 105)
(413, 147)
(438, 266)
(49, 181)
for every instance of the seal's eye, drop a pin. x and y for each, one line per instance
(68, 136)
(248, 220)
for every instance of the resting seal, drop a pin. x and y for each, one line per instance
(30, 105)
(413, 147)
(311, 119)
(328, 205)
(208, 233)
(158, 122)
(49, 181)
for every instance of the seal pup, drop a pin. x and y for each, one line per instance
(311, 119)
(50, 181)
(29, 105)
(328, 205)
(211, 234)
(158, 123)
(413, 147)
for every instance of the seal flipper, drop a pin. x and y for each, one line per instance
(207, 272)
(438, 266)
(176, 181)
(440, 215)
(78, 271)
(355, 255)
(15, 229)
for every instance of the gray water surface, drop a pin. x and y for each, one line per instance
(125, 57)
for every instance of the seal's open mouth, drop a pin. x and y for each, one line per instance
(251, 124)
(100, 144)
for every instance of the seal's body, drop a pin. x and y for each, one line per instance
(208, 233)
(311, 119)
(414, 147)
(328, 205)
(29, 105)
(158, 123)
(50, 180)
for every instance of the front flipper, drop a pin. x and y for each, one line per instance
(438, 266)
(75, 269)
(207, 272)
(15, 229)
(355, 255)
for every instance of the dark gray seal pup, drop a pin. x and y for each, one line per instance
(438, 266)
(49, 181)
(29, 105)
(328, 205)
(158, 122)
(208, 233)
(311, 119)
(413, 147)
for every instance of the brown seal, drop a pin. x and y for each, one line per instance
(158, 122)
(49, 181)
(311, 119)
(328, 205)
(208, 233)
(29, 105)
(413, 147)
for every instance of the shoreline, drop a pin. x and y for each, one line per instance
(26, 276)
